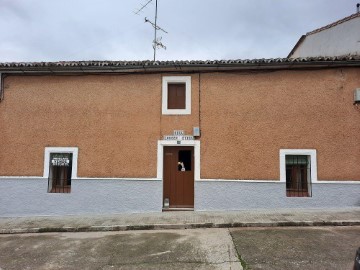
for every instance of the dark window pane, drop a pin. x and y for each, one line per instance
(292, 159)
(60, 172)
(297, 176)
(184, 161)
(176, 96)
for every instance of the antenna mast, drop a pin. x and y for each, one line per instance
(155, 30)
(157, 41)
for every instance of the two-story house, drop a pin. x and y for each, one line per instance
(112, 136)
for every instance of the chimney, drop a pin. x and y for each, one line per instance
(357, 7)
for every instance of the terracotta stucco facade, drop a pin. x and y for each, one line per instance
(115, 121)
(245, 119)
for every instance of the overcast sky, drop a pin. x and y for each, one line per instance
(54, 30)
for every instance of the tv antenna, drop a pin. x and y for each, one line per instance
(157, 44)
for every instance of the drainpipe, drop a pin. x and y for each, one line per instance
(1, 87)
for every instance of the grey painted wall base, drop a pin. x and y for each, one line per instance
(29, 197)
(232, 195)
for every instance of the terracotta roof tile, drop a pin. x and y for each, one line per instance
(122, 65)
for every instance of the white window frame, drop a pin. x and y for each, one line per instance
(306, 152)
(49, 150)
(176, 79)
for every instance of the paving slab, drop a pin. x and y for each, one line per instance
(175, 249)
(182, 220)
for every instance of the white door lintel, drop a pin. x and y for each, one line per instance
(160, 155)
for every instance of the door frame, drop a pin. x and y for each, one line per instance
(160, 161)
(160, 156)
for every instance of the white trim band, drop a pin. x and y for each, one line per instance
(306, 152)
(73, 150)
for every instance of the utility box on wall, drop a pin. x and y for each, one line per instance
(357, 96)
(196, 131)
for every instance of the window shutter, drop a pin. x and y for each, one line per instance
(176, 96)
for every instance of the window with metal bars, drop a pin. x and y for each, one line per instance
(60, 169)
(298, 176)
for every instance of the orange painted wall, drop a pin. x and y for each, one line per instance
(114, 120)
(245, 119)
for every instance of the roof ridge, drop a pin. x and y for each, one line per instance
(355, 15)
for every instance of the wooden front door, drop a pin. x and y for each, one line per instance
(179, 176)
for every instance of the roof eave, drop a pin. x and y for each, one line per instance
(178, 67)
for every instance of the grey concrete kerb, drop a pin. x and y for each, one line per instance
(177, 226)
(182, 220)
(167, 227)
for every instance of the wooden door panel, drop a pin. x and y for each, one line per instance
(178, 185)
(167, 173)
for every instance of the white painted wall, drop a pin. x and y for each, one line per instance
(342, 39)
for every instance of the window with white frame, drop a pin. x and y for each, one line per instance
(176, 95)
(298, 169)
(60, 167)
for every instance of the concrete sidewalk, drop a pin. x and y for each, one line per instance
(182, 220)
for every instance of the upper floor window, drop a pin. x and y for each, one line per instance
(176, 95)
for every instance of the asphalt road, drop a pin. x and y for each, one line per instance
(297, 248)
(256, 248)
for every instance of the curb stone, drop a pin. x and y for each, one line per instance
(107, 228)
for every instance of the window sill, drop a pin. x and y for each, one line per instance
(176, 112)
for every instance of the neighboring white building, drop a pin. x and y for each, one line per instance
(336, 39)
